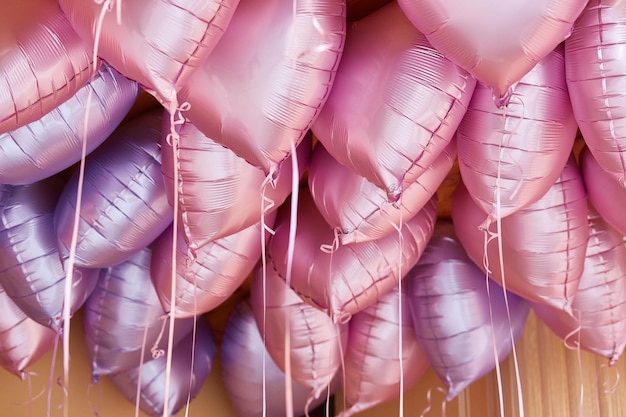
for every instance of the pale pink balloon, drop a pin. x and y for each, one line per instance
(345, 279)
(358, 209)
(510, 157)
(497, 42)
(54, 142)
(219, 192)
(158, 44)
(395, 104)
(595, 64)
(43, 62)
(268, 77)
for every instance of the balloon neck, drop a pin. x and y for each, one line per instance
(502, 101)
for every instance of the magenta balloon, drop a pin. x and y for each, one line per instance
(31, 270)
(510, 157)
(595, 64)
(124, 203)
(47, 146)
(395, 104)
(214, 274)
(606, 194)
(352, 277)
(159, 44)
(598, 322)
(373, 364)
(220, 193)
(359, 209)
(497, 42)
(261, 101)
(44, 62)
(452, 305)
(188, 374)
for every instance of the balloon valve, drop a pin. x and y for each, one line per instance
(394, 192)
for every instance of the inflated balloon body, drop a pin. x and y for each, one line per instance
(43, 61)
(543, 245)
(219, 192)
(510, 157)
(395, 104)
(124, 203)
(185, 381)
(22, 340)
(345, 279)
(52, 143)
(261, 101)
(360, 210)
(159, 44)
(217, 270)
(598, 322)
(373, 366)
(497, 42)
(31, 270)
(461, 319)
(316, 343)
(595, 65)
(242, 356)
(124, 321)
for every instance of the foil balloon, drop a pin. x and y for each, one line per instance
(190, 367)
(595, 65)
(261, 101)
(373, 364)
(497, 42)
(345, 279)
(598, 320)
(510, 157)
(395, 104)
(31, 271)
(159, 44)
(54, 142)
(460, 318)
(219, 192)
(124, 322)
(43, 61)
(124, 205)
(359, 209)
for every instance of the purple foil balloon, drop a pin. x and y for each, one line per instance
(220, 193)
(124, 203)
(359, 209)
(54, 142)
(395, 104)
(510, 157)
(345, 279)
(123, 316)
(453, 307)
(31, 270)
(595, 64)
(185, 381)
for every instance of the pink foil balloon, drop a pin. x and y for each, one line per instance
(220, 193)
(598, 321)
(346, 279)
(261, 100)
(395, 104)
(595, 63)
(43, 62)
(460, 318)
(373, 364)
(52, 143)
(497, 42)
(159, 44)
(360, 210)
(31, 270)
(510, 157)
(124, 203)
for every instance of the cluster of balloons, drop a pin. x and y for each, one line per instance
(359, 287)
